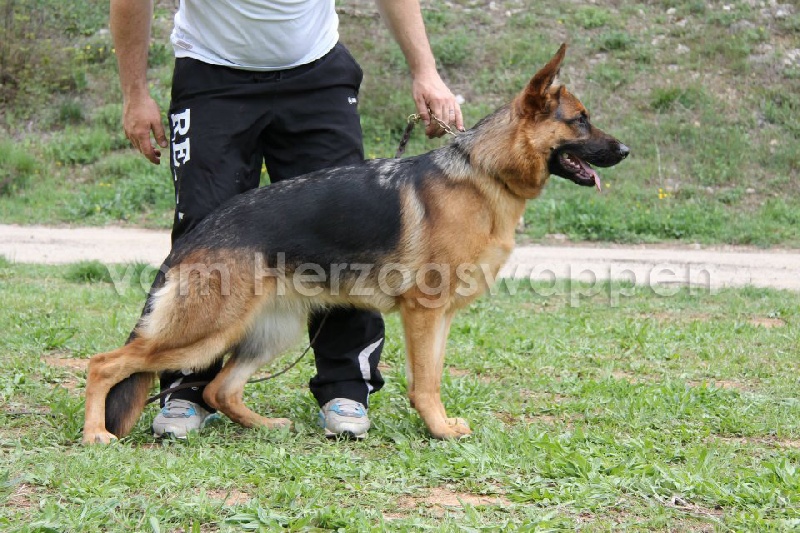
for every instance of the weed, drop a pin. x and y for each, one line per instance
(591, 17)
(452, 48)
(616, 40)
(159, 54)
(70, 112)
(665, 98)
(79, 146)
(781, 108)
(117, 196)
(17, 167)
(609, 75)
(88, 272)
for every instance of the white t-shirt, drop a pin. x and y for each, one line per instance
(255, 34)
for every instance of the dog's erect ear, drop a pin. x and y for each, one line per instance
(538, 91)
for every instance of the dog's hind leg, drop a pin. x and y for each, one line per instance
(105, 371)
(272, 333)
(426, 335)
(139, 356)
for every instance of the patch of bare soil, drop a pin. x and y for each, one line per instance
(678, 503)
(229, 498)
(462, 372)
(550, 420)
(21, 497)
(439, 500)
(74, 366)
(77, 365)
(698, 518)
(204, 528)
(630, 377)
(792, 444)
(719, 384)
(665, 316)
(767, 322)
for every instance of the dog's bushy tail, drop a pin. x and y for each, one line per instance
(125, 402)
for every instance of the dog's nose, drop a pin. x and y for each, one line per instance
(624, 150)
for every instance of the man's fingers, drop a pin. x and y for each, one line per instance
(459, 118)
(449, 113)
(422, 110)
(158, 131)
(144, 145)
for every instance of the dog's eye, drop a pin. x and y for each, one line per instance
(582, 121)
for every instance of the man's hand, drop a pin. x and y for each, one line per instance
(139, 118)
(129, 21)
(432, 96)
(404, 20)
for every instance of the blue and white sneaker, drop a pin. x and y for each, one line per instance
(178, 417)
(341, 417)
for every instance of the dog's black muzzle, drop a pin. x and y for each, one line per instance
(574, 161)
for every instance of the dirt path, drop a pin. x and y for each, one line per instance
(717, 267)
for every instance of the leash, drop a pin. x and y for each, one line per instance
(293, 364)
(412, 121)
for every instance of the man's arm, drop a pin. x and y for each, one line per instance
(404, 20)
(130, 27)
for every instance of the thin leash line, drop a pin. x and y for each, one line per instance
(293, 364)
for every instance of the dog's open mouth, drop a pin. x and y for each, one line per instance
(575, 169)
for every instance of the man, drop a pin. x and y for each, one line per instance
(266, 81)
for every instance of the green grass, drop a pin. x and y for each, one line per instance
(652, 413)
(705, 96)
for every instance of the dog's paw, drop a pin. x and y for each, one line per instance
(98, 437)
(460, 425)
(275, 423)
(454, 428)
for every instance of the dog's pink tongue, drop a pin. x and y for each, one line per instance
(596, 181)
(592, 174)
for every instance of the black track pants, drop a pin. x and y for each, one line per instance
(225, 123)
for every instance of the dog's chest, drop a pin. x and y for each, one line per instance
(476, 277)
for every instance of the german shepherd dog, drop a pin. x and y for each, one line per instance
(423, 236)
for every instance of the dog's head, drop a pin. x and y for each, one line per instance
(556, 122)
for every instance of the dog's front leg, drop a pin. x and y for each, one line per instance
(426, 332)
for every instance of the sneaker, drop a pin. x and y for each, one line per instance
(178, 417)
(343, 417)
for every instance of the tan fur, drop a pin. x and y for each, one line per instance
(211, 301)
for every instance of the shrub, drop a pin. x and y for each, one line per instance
(79, 146)
(88, 272)
(16, 168)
